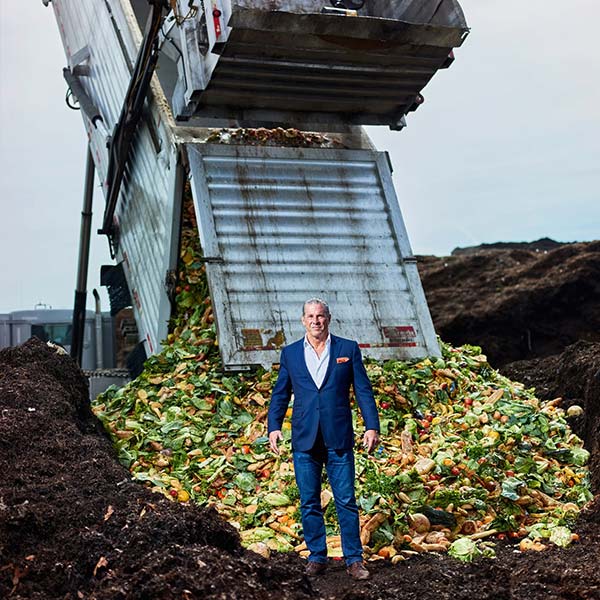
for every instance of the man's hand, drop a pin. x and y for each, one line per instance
(370, 440)
(274, 437)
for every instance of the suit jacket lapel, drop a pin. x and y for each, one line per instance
(333, 354)
(302, 363)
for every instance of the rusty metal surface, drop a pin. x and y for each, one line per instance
(440, 12)
(436, 12)
(285, 57)
(279, 225)
(105, 35)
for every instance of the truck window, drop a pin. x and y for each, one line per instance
(59, 333)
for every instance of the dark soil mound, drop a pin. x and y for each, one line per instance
(73, 525)
(518, 303)
(541, 245)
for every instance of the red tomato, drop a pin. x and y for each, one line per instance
(455, 471)
(384, 405)
(173, 493)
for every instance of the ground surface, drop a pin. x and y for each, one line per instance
(72, 525)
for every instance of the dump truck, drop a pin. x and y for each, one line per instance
(259, 106)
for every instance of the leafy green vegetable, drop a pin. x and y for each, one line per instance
(464, 549)
(561, 536)
(579, 456)
(275, 499)
(511, 487)
(245, 481)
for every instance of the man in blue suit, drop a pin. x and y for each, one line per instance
(319, 370)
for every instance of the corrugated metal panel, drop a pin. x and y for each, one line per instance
(145, 213)
(4, 331)
(279, 225)
(282, 60)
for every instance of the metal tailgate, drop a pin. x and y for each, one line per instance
(285, 62)
(280, 225)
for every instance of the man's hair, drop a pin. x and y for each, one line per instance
(316, 301)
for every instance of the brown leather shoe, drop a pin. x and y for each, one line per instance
(314, 569)
(358, 571)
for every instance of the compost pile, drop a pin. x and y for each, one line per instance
(520, 302)
(74, 525)
(466, 453)
(470, 458)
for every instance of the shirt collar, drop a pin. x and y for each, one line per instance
(307, 344)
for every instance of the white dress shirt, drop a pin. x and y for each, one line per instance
(317, 365)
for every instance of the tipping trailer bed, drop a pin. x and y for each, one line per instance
(292, 63)
(278, 224)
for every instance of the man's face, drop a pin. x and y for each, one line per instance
(316, 321)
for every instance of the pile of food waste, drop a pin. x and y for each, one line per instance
(279, 136)
(466, 456)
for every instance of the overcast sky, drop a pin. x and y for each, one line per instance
(505, 148)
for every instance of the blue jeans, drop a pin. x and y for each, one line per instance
(308, 467)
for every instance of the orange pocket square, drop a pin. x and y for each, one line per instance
(342, 359)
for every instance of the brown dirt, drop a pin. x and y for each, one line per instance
(73, 525)
(516, 303)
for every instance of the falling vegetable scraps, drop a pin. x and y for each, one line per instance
(467, 455)
(272, 137)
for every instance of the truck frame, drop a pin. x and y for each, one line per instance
(164, 103)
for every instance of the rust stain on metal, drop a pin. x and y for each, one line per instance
(358, 44)
(262, 339)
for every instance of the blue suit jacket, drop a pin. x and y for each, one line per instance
(328, 407)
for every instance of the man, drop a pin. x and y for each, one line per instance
(319, 370)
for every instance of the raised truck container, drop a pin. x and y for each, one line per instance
(277, 224)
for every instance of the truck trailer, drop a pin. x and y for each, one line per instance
(259, 105)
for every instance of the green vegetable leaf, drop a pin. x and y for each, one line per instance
(510, 488)
(245, 481)
(464, 549)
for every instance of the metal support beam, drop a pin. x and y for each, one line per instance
(99, 332)
(84, 259)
